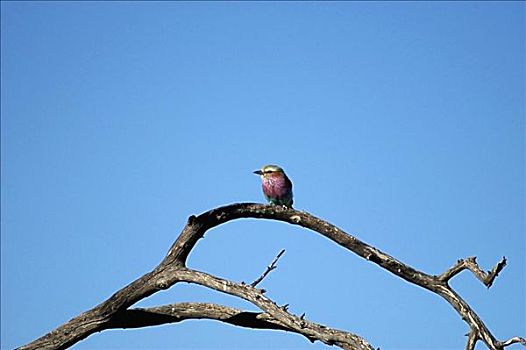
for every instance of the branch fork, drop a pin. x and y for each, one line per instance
(471, 264)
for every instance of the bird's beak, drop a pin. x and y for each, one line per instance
(258, 172)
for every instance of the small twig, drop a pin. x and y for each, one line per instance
(513, 340)
(471, 264)
(271, 267)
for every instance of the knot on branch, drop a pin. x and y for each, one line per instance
(162, 284)
(191, 220)
(296, 219)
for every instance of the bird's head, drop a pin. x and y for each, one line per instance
(269, 171)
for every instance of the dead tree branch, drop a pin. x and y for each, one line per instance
(173, 313)
(514, 340)
(312, 331)
(271, 267)
(172, 270)
(471, 264)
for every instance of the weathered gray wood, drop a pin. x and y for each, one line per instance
(112, 313)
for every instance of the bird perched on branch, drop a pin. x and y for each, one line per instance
(277, 187)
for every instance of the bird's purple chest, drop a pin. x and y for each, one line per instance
(275, 186)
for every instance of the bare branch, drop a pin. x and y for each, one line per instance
(513, 340)
(312, 331)
(173, 313)
(471, 264)
(271, 267)
(172, 270)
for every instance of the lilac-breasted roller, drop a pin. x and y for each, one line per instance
(277, 187)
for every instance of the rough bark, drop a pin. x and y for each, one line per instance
(115, 312)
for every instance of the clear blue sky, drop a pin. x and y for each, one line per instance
(401, 123)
